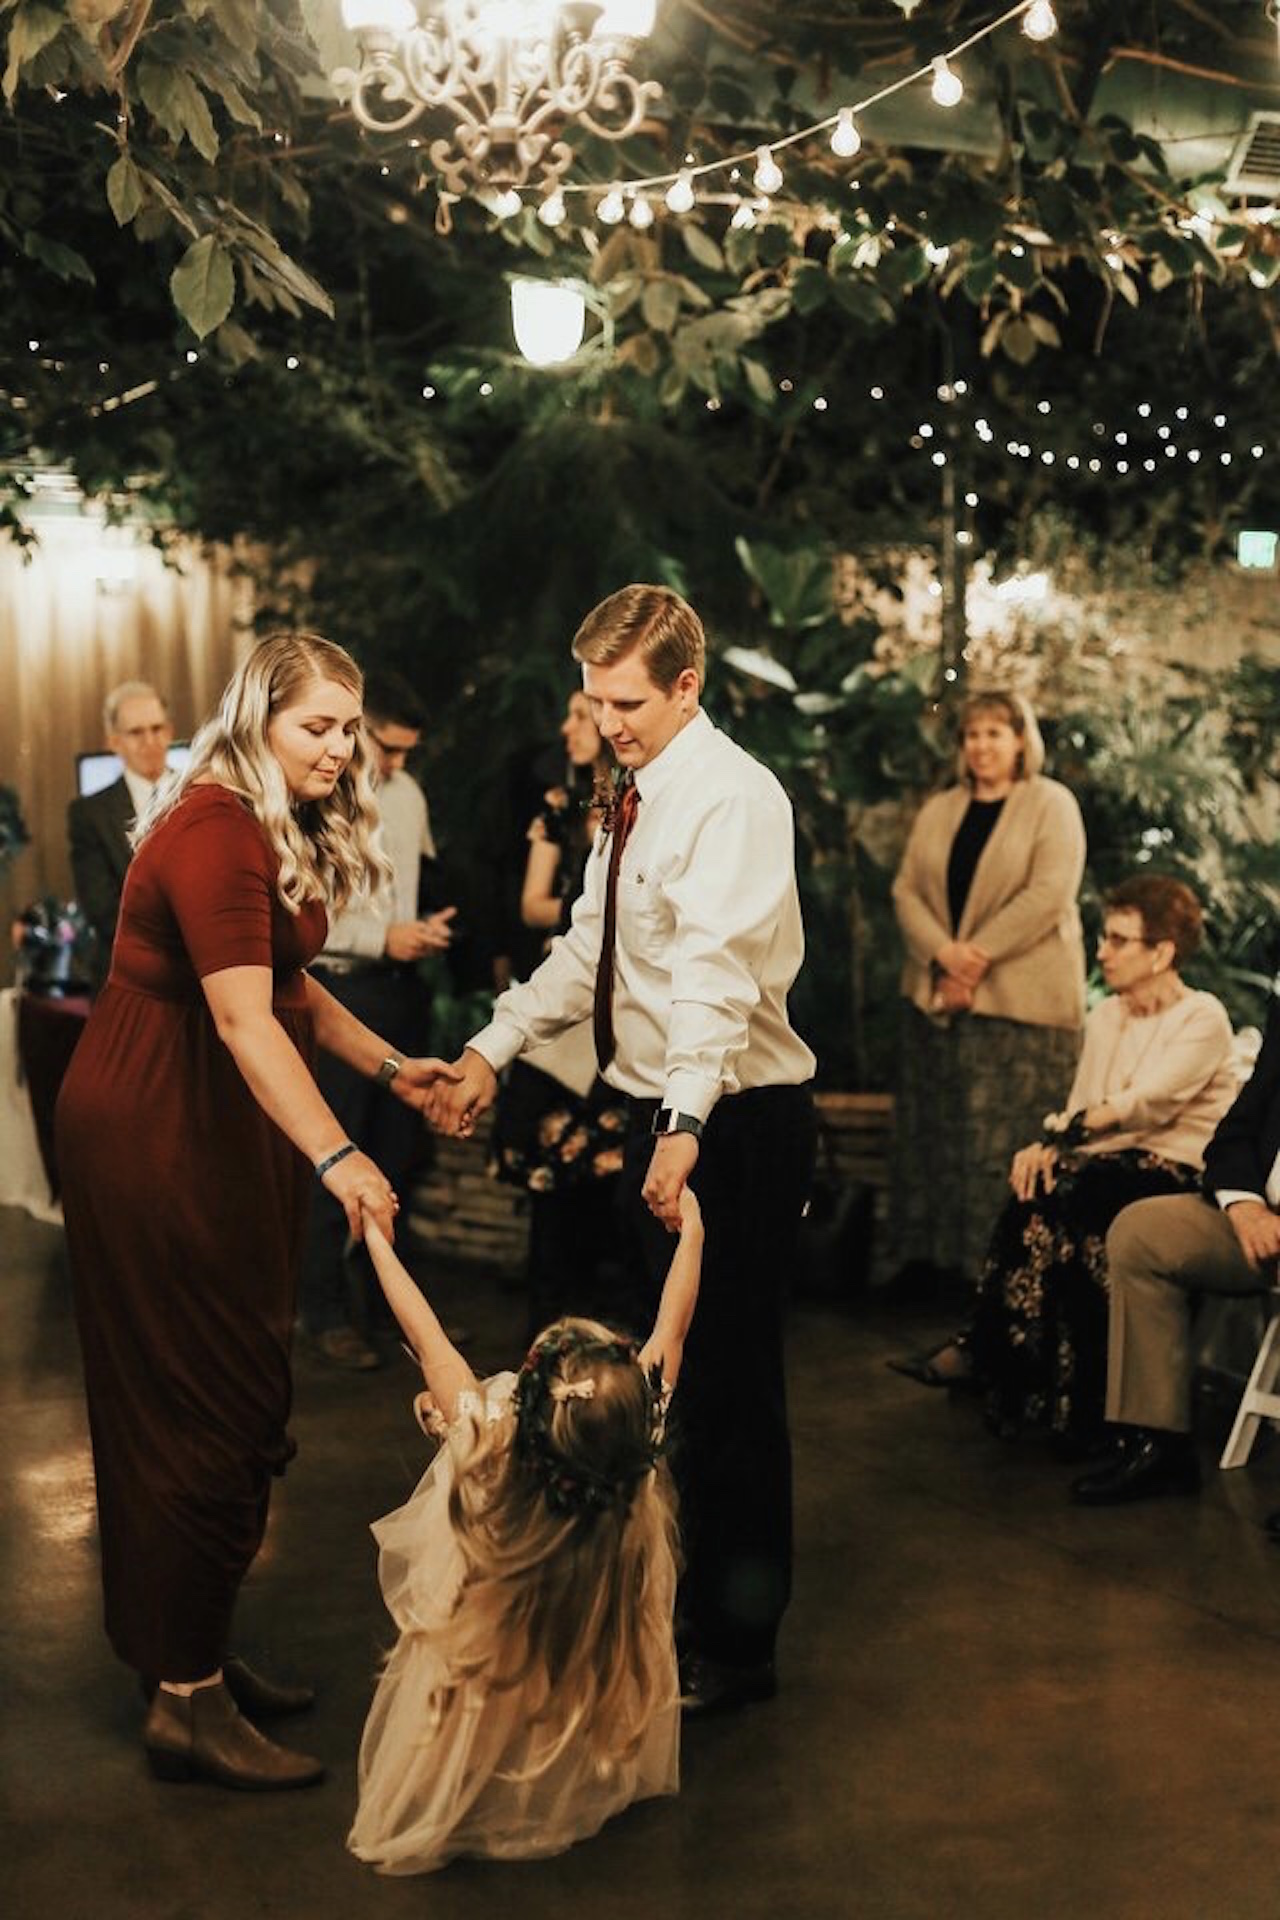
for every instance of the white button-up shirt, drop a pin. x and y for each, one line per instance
(709, 937)
(361, 929)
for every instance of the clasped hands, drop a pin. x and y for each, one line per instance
(356, 1182)
(457, 1098)
(961, 967)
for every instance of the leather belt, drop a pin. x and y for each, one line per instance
(343, 966)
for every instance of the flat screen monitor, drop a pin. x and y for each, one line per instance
(94, 771)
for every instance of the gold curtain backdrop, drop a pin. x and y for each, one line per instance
(91, 607)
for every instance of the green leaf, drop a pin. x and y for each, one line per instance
(809, 288)
(980, 276)
(174, 99)
(660, 305)
(740, 249)
(904, 268)
(759, 380)
(125, 191)
(235, 344)
(64, 261)
(34, 26)
(702, 247)
(775, 244)
(203, 285)
(799, 584)
(864, 302)
(1020, 270)
(1019, 341)
(1044, 330)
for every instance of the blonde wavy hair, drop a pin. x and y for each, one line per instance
(574, 1606)
(328, 849)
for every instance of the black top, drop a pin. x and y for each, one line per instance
(972, 836)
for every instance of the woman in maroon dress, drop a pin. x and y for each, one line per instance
(188, 1129)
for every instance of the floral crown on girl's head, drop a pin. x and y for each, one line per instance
(571, 1487)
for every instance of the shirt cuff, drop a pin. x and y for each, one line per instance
(498, 1043)
(1230, 1196)
(691, 1093)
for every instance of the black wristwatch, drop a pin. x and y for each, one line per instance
(667, 1120)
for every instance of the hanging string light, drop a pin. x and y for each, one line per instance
(768, 174)
(680, 194)
(845, 138)
(1040, 22)
(948, 87)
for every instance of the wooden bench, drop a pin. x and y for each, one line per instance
(461, 1213)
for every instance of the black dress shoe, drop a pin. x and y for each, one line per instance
(260, 1698)
(708, 1686)
(1152, 1463)
(202, 1736)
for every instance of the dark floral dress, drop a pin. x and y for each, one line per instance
(1039, 1335)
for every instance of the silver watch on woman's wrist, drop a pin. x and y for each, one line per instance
(388, 1070)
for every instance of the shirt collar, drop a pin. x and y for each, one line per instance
(678, 752)
(140, 790)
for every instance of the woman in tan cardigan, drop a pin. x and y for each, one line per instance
(993, 984)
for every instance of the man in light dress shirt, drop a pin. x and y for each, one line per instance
(369, 963)
(139, 731)
(709, 940)
(1159, 1254)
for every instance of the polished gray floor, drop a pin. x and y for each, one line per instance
(994, 1706)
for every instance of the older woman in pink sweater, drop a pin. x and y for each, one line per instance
(1156, 1074)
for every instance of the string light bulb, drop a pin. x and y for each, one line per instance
(948, 87)
(641, 215)
(768, 174)
(680, 194)
(1040, 22)
(845, 138)
(552, 212)
(744, 217)
(612, 208)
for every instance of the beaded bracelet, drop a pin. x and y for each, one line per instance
(333, 1159)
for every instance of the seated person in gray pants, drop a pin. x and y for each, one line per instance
(1160, 1253)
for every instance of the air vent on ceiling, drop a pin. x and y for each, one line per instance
(1255, 164)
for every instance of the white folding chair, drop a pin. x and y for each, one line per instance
(1259, 1401)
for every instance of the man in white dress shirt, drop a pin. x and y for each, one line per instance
(139, 731)
(694, 1030)
(369, 963)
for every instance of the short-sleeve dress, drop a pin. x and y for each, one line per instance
(185, 1206)
(449, 1772)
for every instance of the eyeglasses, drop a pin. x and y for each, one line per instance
(1123, 940)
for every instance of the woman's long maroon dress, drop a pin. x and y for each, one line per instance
(185, 1207)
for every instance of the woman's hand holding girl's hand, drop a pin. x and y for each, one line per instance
(416, 1078)
(1033, 1166)
(361, 1189)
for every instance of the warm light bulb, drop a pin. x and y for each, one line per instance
(641, 213)
(948, 87)
(505, 204)
(392, 16)
(548, 318)
(1040, 22)
(768, 174)
(612, 208)
(744, 217)
(680, 194)
(845, 138)
(552, 212)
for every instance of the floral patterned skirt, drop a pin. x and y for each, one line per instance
(968, 1096)
(1039, 1335)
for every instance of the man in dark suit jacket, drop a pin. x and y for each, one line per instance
(1161, 1252)
(139, 731)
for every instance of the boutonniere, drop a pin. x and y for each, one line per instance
(607, 798)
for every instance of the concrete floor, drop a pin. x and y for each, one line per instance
(994, 1706)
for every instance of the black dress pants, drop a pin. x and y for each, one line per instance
(395, 1003)
(731, 1446)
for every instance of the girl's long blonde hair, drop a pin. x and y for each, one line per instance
(328, 849)
(568, 1597)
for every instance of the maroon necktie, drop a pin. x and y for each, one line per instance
(623, 820)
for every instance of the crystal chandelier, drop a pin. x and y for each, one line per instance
(507, 74)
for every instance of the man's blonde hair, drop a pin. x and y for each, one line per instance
(651, 621)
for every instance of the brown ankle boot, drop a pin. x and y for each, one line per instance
(202, 1736)
(260, 1698)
